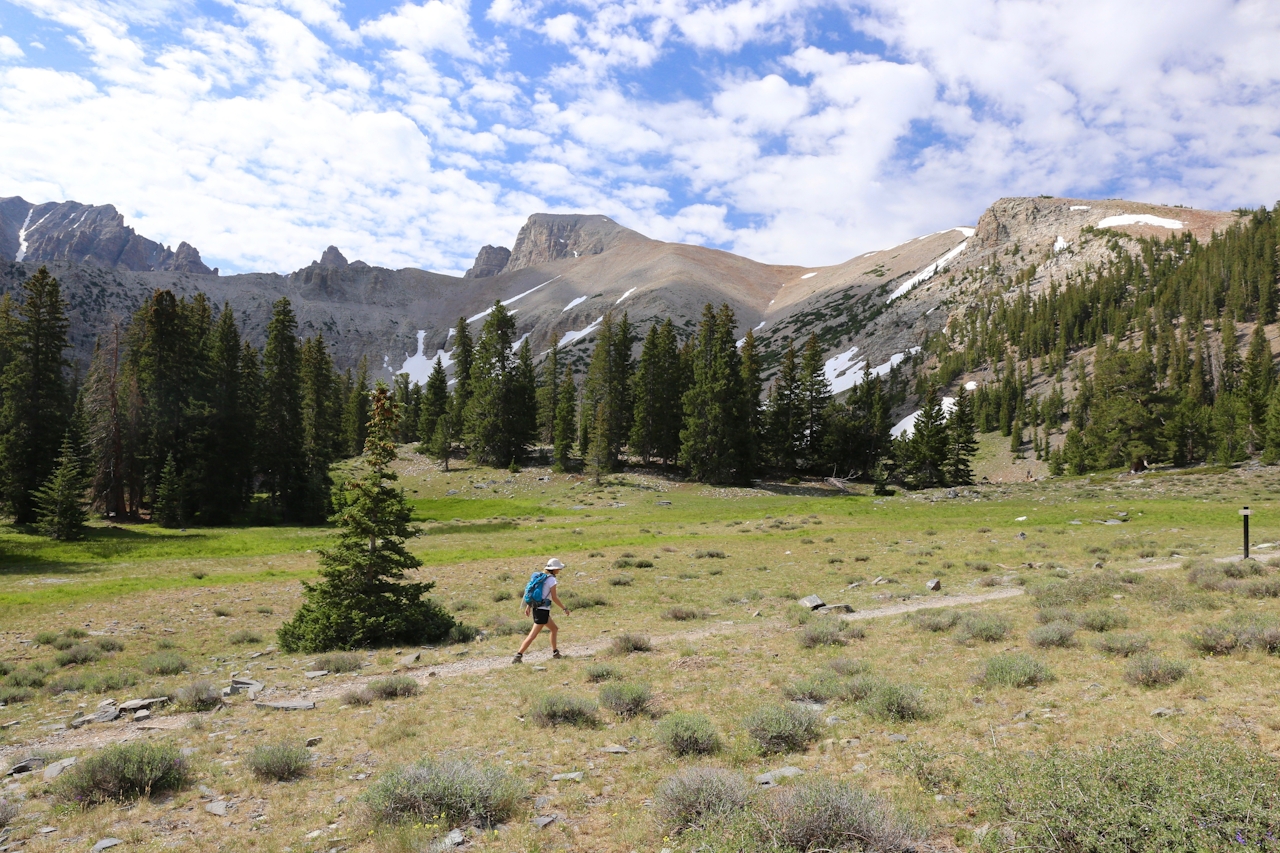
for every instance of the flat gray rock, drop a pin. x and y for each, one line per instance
(218, 808)
(1165, 712)
(898, 738)
(568, 777)
(317, 673)
(314, 741)
(772, 778)
(105, 844)
(615, 749)
(812, 602)
(287, 705)
(411, 659)
(138, 704)
(26, 765)
(836, 608)
(933, 585)
(454, 838)
(106, 715)
(139, 716)
(54, 770)
(543, 821)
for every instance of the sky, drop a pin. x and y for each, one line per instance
(790, 131)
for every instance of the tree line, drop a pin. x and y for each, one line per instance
(1171, 378)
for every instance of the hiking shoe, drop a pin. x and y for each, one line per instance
(555, 653)
(519, 658)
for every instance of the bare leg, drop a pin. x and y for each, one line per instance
(551, 623)
(528, 641)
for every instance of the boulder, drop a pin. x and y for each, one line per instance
(138, 704)
(317, 673)
(933, 585)
(218, 808)
(54, 770)
(410, 659)
(812, 602)
(314, 741)
(543, 821)
(26, 765)
(107, 843)
(454, 838)
(836, 608)
(772, 778)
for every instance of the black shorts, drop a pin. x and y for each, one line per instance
(541, 616)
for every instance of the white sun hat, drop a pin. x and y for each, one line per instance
(554, 565)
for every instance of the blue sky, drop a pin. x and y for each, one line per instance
(790, 131)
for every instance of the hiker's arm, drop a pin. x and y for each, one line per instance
(555, 596)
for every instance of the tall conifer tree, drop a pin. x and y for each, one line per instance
(281, 435)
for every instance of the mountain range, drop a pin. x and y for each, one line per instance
(564, 271)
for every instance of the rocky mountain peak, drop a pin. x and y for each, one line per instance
(333, 258)
(490, 261)
(549, 237)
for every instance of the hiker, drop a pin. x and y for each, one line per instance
(538, 597)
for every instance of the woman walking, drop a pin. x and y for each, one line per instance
(539, 595)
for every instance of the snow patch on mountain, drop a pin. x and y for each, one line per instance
(1080, 207)
(22, 238)
(906, 427)
(1060, 245)
(1139, 219)
(569, 337)
(574, 304)
(505, 302)
(625, 295)
(931, 270)
(419, 366)
(808, 275)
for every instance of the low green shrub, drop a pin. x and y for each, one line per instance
(77, 654)
(197, 696)
(265, 610)
(109, 682)
(621, 580)
(624, 563)
(597, 672)
(1053, 635)
(625, 644)
(823, 631)
(644, 564)
(222, 612)
(394, 687)
(163, 663)
(1056, 614)
(279, 762)
(697, 796)
(627, 700)
(10, 695)
(782, 728)
(502, 595)
(849, 666)
(1247, 568)
(898, 703)
(9, 810)
(1123, 645)
(861, 687)
(455, 792)
(75, 633)
(820, 687)
(712, 554)
(122, 773)
(1213, 640)
(29, 676)
(461, 632)
(988, 627)
(558, 709)
(1137, 793)
(823, 814)
(63, 643)
(1154, 671)
(109, 644)
(339, 662)
(244, 637)
(1103, 620)
(501, 626)
(685, 733)
(935, 620)
(1014, 670)
(359, 696)
(1262, 588)
(584, 601)
(46, 638)
(5, 668)
(681, 613)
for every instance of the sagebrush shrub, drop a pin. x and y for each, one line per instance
(1055, 634)
(820, 687)
(1247, 568)
(10, 695)
(394, 687)
(1262, 588)
(1137, 793)
(860, 687)
(935, 620)
(361, 696)
(621, 580)
(782, 728)
(558, 709)
(163, 663)
(31, 676)
(987, 627)
(77, 654)
(625, 644)
(109, 644)
(1154, 671)
(823, 631)
(849, 666)
(1103, 620)
(1213, 640)
(8, 811)
(1056, 614)
(627, 700)
(681, 613)
(339, 662)
(279, 762)
(698, 795)
(123, 772)
(597, 672)
(457, 792)
(1014, 670)
(197, 696)
(898, 703)
(686, 733)
(244, 637)
(1123, 645)
(46, 638)
(823, 814)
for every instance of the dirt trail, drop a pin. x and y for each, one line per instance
(98, 735)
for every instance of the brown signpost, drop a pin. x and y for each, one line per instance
(1244, 514)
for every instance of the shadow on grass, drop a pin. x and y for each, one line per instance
(806, 490)
(25, 553)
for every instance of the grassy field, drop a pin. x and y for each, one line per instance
(1031, 573)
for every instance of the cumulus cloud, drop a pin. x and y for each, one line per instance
(793, 131)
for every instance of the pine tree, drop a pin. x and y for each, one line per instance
(783, 413)
(105, 428)
(224, 441)
(60, 502)
(1271, 455)
(1259, 376)
(498, 416)
(670, 395)
(280, 432)
(815, 394)
(714, 444)
(321, 428)
(167, 508)
(926, 450)
(435, 404)
(961, 444)
(363, 599)
(596, 388)
(549, 392)
(35, 409)
(753, 384)
(463, 356)
(566, 419)
(355, 412)
(599, 459)
(646, 391)
(245, 467)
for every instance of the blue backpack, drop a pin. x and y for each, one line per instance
(533, 590)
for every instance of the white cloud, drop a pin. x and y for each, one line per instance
(9, 49)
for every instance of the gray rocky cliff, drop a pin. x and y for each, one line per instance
(490, 261)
